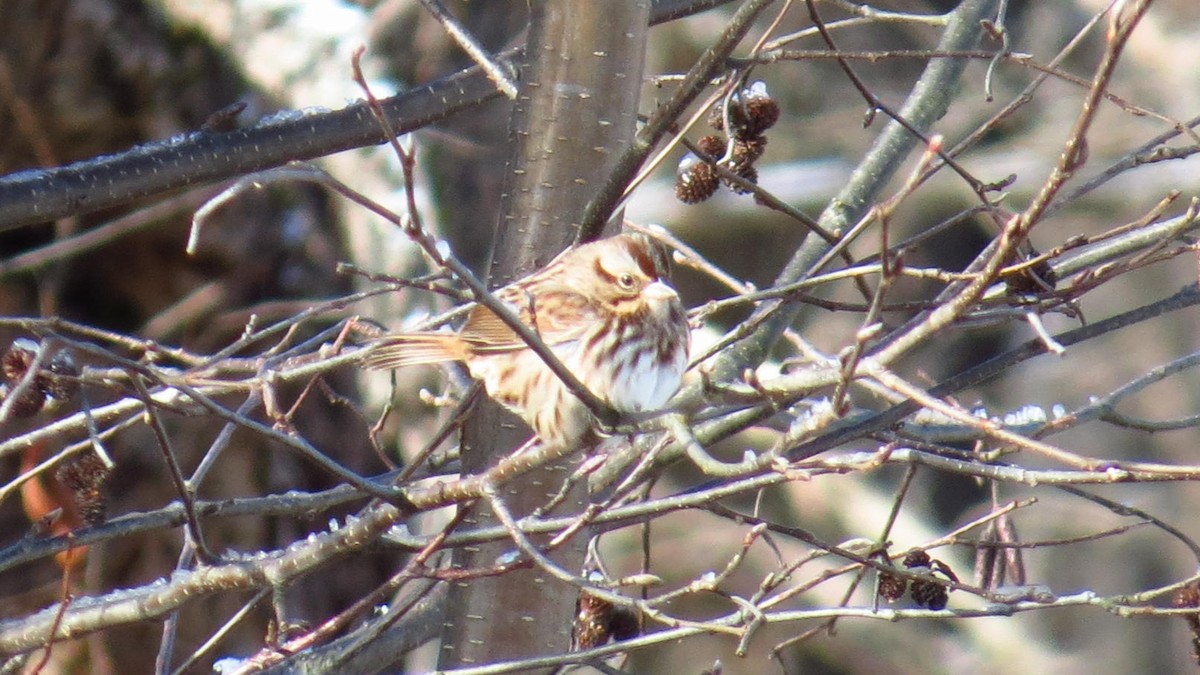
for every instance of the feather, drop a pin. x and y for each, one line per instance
(409, 349)
(571, 314)
(485, 330)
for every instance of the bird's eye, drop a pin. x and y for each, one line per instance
(626, 281)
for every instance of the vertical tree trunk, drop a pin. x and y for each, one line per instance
(575, 113)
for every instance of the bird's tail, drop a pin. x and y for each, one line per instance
(407, 349)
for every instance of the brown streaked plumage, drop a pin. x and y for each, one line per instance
(606, 312)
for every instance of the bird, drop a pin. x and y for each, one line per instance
(605, 309)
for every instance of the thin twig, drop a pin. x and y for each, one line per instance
(495, 71)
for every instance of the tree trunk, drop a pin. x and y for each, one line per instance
(575, 112)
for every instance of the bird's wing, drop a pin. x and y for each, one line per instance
(560, 316)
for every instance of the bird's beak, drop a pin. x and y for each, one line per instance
(659, 292)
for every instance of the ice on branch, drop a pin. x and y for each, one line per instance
(935, 426)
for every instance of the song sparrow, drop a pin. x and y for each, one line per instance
(606, 312)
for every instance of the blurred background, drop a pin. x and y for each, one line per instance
(81, 78)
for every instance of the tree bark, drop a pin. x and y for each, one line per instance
(575, 112)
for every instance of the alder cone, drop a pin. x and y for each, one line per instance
(605, 309)
(696, 182)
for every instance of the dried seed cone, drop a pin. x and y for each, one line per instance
(749, 173)
(624, 624)
(17, 359)
(61, 378)
(86, 478)
(712, 145)
(697, 183)
(891, 587)
(716, 117)
(929, 594)
(1032, 281)
(597, 621)
(1189, 596)
(14, 364)
(28, 404)
(751, 112)
(592, 618)
(762, 112)
(749, 150)
(917, 558)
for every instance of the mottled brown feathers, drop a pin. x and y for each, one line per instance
(605, 311)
